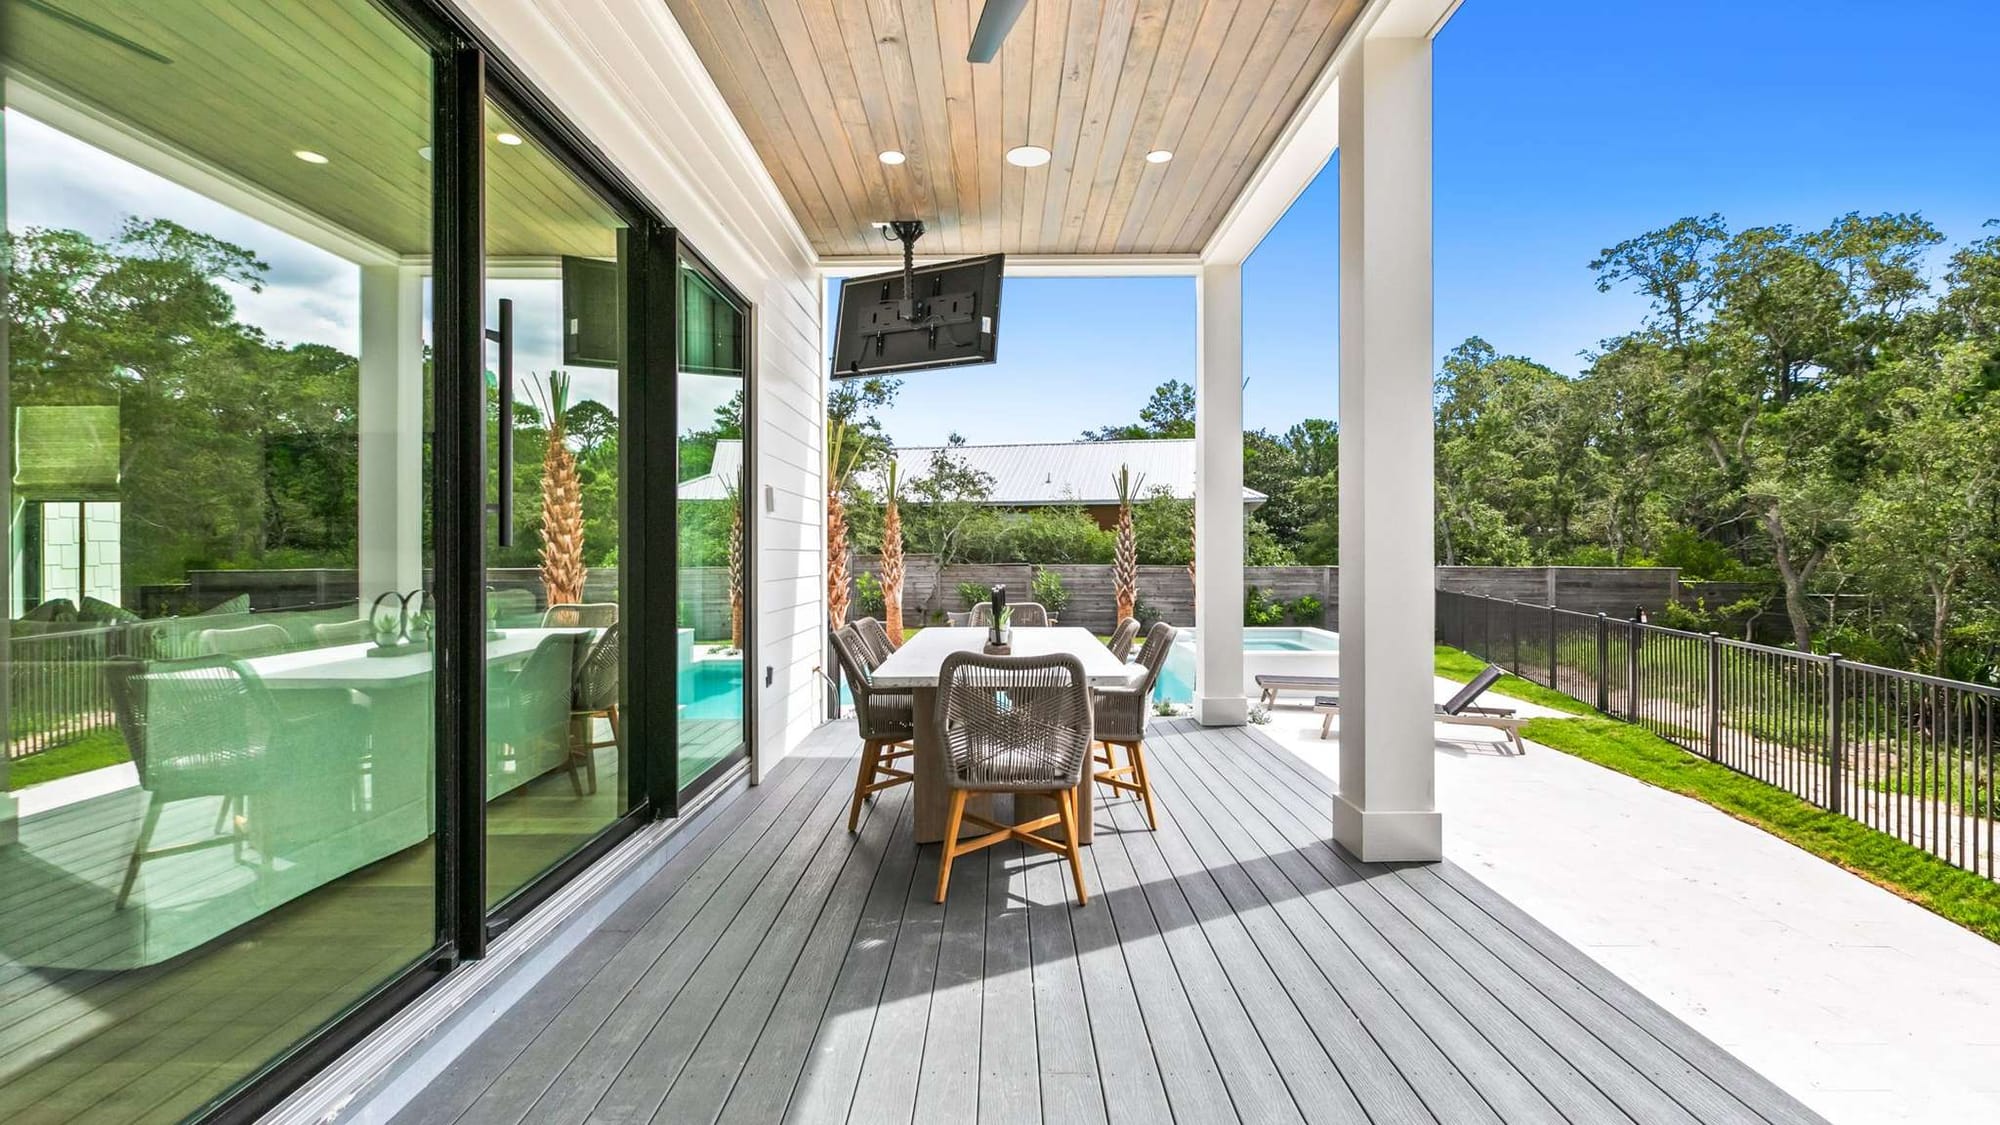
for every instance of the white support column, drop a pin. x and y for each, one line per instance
(1386, 807)
(392, 430)
(1218, 430)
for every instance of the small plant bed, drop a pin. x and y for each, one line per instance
(1463, 666)
(94, 751)
(1961, 896)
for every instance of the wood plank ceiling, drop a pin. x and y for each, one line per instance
(241, 85)
(823, 86)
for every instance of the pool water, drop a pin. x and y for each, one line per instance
(1176, 682)
(713, 689)
(1275, 644)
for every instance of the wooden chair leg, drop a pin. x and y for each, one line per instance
(1066, 808)
(146, 826)
(869, 752)
(1137, 752)
(951, 826)
(579, 748)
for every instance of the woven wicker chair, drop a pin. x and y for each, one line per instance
(1120, 643)
(580, 615)
(594, 694)
(527, 715)
(1118, 716)
(1027, 615)
(887, 721)
(195, 729)
(245, 643)
(878, 637)
(1014, 724)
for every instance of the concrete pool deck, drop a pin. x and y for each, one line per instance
(1864, 1006)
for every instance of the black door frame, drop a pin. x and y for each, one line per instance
(467, 73)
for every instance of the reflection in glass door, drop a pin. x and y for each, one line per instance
(713, 606)
(556, 762)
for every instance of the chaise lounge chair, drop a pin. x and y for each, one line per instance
(1271, 683)
(1456, 711)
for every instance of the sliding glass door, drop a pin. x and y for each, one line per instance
(713, 604)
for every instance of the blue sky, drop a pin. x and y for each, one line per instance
(1562, 126)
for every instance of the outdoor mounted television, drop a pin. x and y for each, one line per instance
(953, 320)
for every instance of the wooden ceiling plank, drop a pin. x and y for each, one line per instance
(1276, 107)
(1117, 27)
(989, 112)
(757, 109)
(908, 183)
(814, 128)
(1045, 90)
(1079, 54)
(954, 33)
(920, 45)
(1170, 56)
(911, 93)
(1232, 61)
(1118, 150)
(818, 55)
(1016, 68)
(1183, 94)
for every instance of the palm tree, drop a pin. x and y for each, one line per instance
(734, 489)
(1125, 558)
(562, 500)
(846, 447)
(892, 563)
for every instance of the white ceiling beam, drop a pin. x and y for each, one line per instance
(1311, 136)
(1034, 265)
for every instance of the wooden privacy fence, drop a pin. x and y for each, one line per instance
(1906, 754)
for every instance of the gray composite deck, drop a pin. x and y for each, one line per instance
(1232, 966)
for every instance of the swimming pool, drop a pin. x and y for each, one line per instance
(712, 689)
(1299, 652)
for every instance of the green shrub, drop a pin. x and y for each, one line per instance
(1305, 610)
(972, 593)
(1259, 608)
(1047, 587)
(1144, 612)
(868, 594)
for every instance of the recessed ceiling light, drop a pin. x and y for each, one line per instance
(890, 156)
(1159, 156)
(425, 152)
(309, 156)
(1028, 156)
(507, 138)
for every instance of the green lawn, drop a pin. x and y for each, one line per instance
(1961, 896)
(99, 748)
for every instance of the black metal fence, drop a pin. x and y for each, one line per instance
(1904, 753)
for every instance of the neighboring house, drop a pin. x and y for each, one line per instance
(1029, 474)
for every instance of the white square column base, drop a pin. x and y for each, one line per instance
(1221, 710)
(1388, 835)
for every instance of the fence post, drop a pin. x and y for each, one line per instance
(1603, 663)
(1514, 633)
(1714, 696)
(1635, 634)
(1552, 646)
(1836, 733)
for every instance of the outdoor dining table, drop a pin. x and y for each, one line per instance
(916, 668)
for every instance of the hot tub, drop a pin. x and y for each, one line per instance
(1303, 651)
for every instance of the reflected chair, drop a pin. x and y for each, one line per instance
(245, 643)
(877, 636)
(580, 615)
(594, 695)
(887, 721)
(1015, 725)
(528, 715)
(195, 729)
(1027, 615)
(331, 633)
(1119, 718)
(1120, 643)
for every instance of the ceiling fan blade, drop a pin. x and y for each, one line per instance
(995, 19)
(90, 28)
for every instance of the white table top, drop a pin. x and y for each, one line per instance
(350, 666)
(918, 663)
